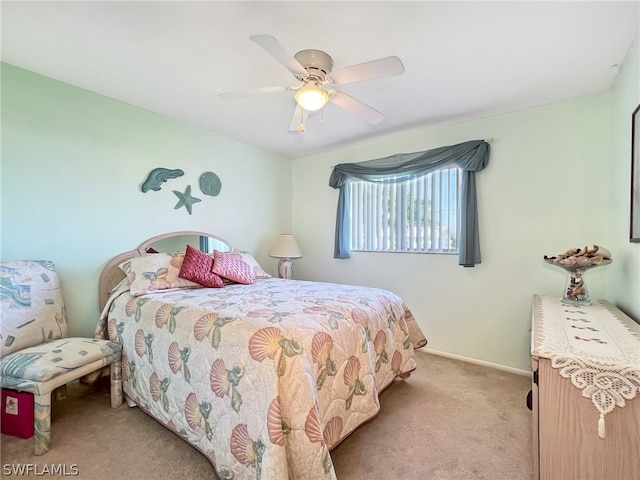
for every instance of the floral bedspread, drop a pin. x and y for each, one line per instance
(264, 379)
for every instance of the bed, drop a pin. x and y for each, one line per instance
(264, 378)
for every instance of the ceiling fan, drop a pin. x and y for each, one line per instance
(313, 69)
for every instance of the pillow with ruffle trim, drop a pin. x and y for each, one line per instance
(256, 270)
(157, 271)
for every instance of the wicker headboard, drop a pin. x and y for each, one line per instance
(112, 275)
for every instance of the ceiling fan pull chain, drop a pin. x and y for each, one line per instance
(301, 127)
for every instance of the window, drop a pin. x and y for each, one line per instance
(459, 234)
(419, 215)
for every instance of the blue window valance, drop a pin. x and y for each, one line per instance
(471, 157)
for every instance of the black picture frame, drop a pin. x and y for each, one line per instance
(634, 232)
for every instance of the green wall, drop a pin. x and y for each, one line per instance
(72, 165)
(624, 272)
(73, 162)
(558, 177)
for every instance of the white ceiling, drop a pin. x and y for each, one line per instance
(463, 60)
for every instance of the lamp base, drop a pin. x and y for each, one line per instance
(285, 268)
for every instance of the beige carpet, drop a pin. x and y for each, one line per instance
(450, 420)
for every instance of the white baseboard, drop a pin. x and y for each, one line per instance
(497, 366)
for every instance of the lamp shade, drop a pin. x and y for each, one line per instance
(311, 97)
(285, 246)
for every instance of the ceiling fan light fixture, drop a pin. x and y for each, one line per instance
(311, 97)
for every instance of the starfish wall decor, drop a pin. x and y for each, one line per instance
(186, 200)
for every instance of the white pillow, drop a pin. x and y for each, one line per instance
(156, 271)
(256, 270)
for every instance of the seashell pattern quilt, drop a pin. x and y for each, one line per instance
(264, 379)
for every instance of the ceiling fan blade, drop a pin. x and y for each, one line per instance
(255, 91)
(360, 109)
(273, 48)
(299, 120)
(383, 67)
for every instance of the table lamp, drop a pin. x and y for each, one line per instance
(286, 249)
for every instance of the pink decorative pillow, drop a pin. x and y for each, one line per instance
(197, 268)
(229, 266)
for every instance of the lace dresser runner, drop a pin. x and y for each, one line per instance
(597, 347)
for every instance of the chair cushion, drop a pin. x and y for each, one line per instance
(46, 361)
(31, 305)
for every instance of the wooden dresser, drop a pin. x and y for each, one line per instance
(586, 392)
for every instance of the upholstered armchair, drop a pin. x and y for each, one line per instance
(36, 355)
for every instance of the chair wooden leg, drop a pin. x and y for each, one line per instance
(60, 393)
(116, 384)
(42, 413)
(90, 378)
